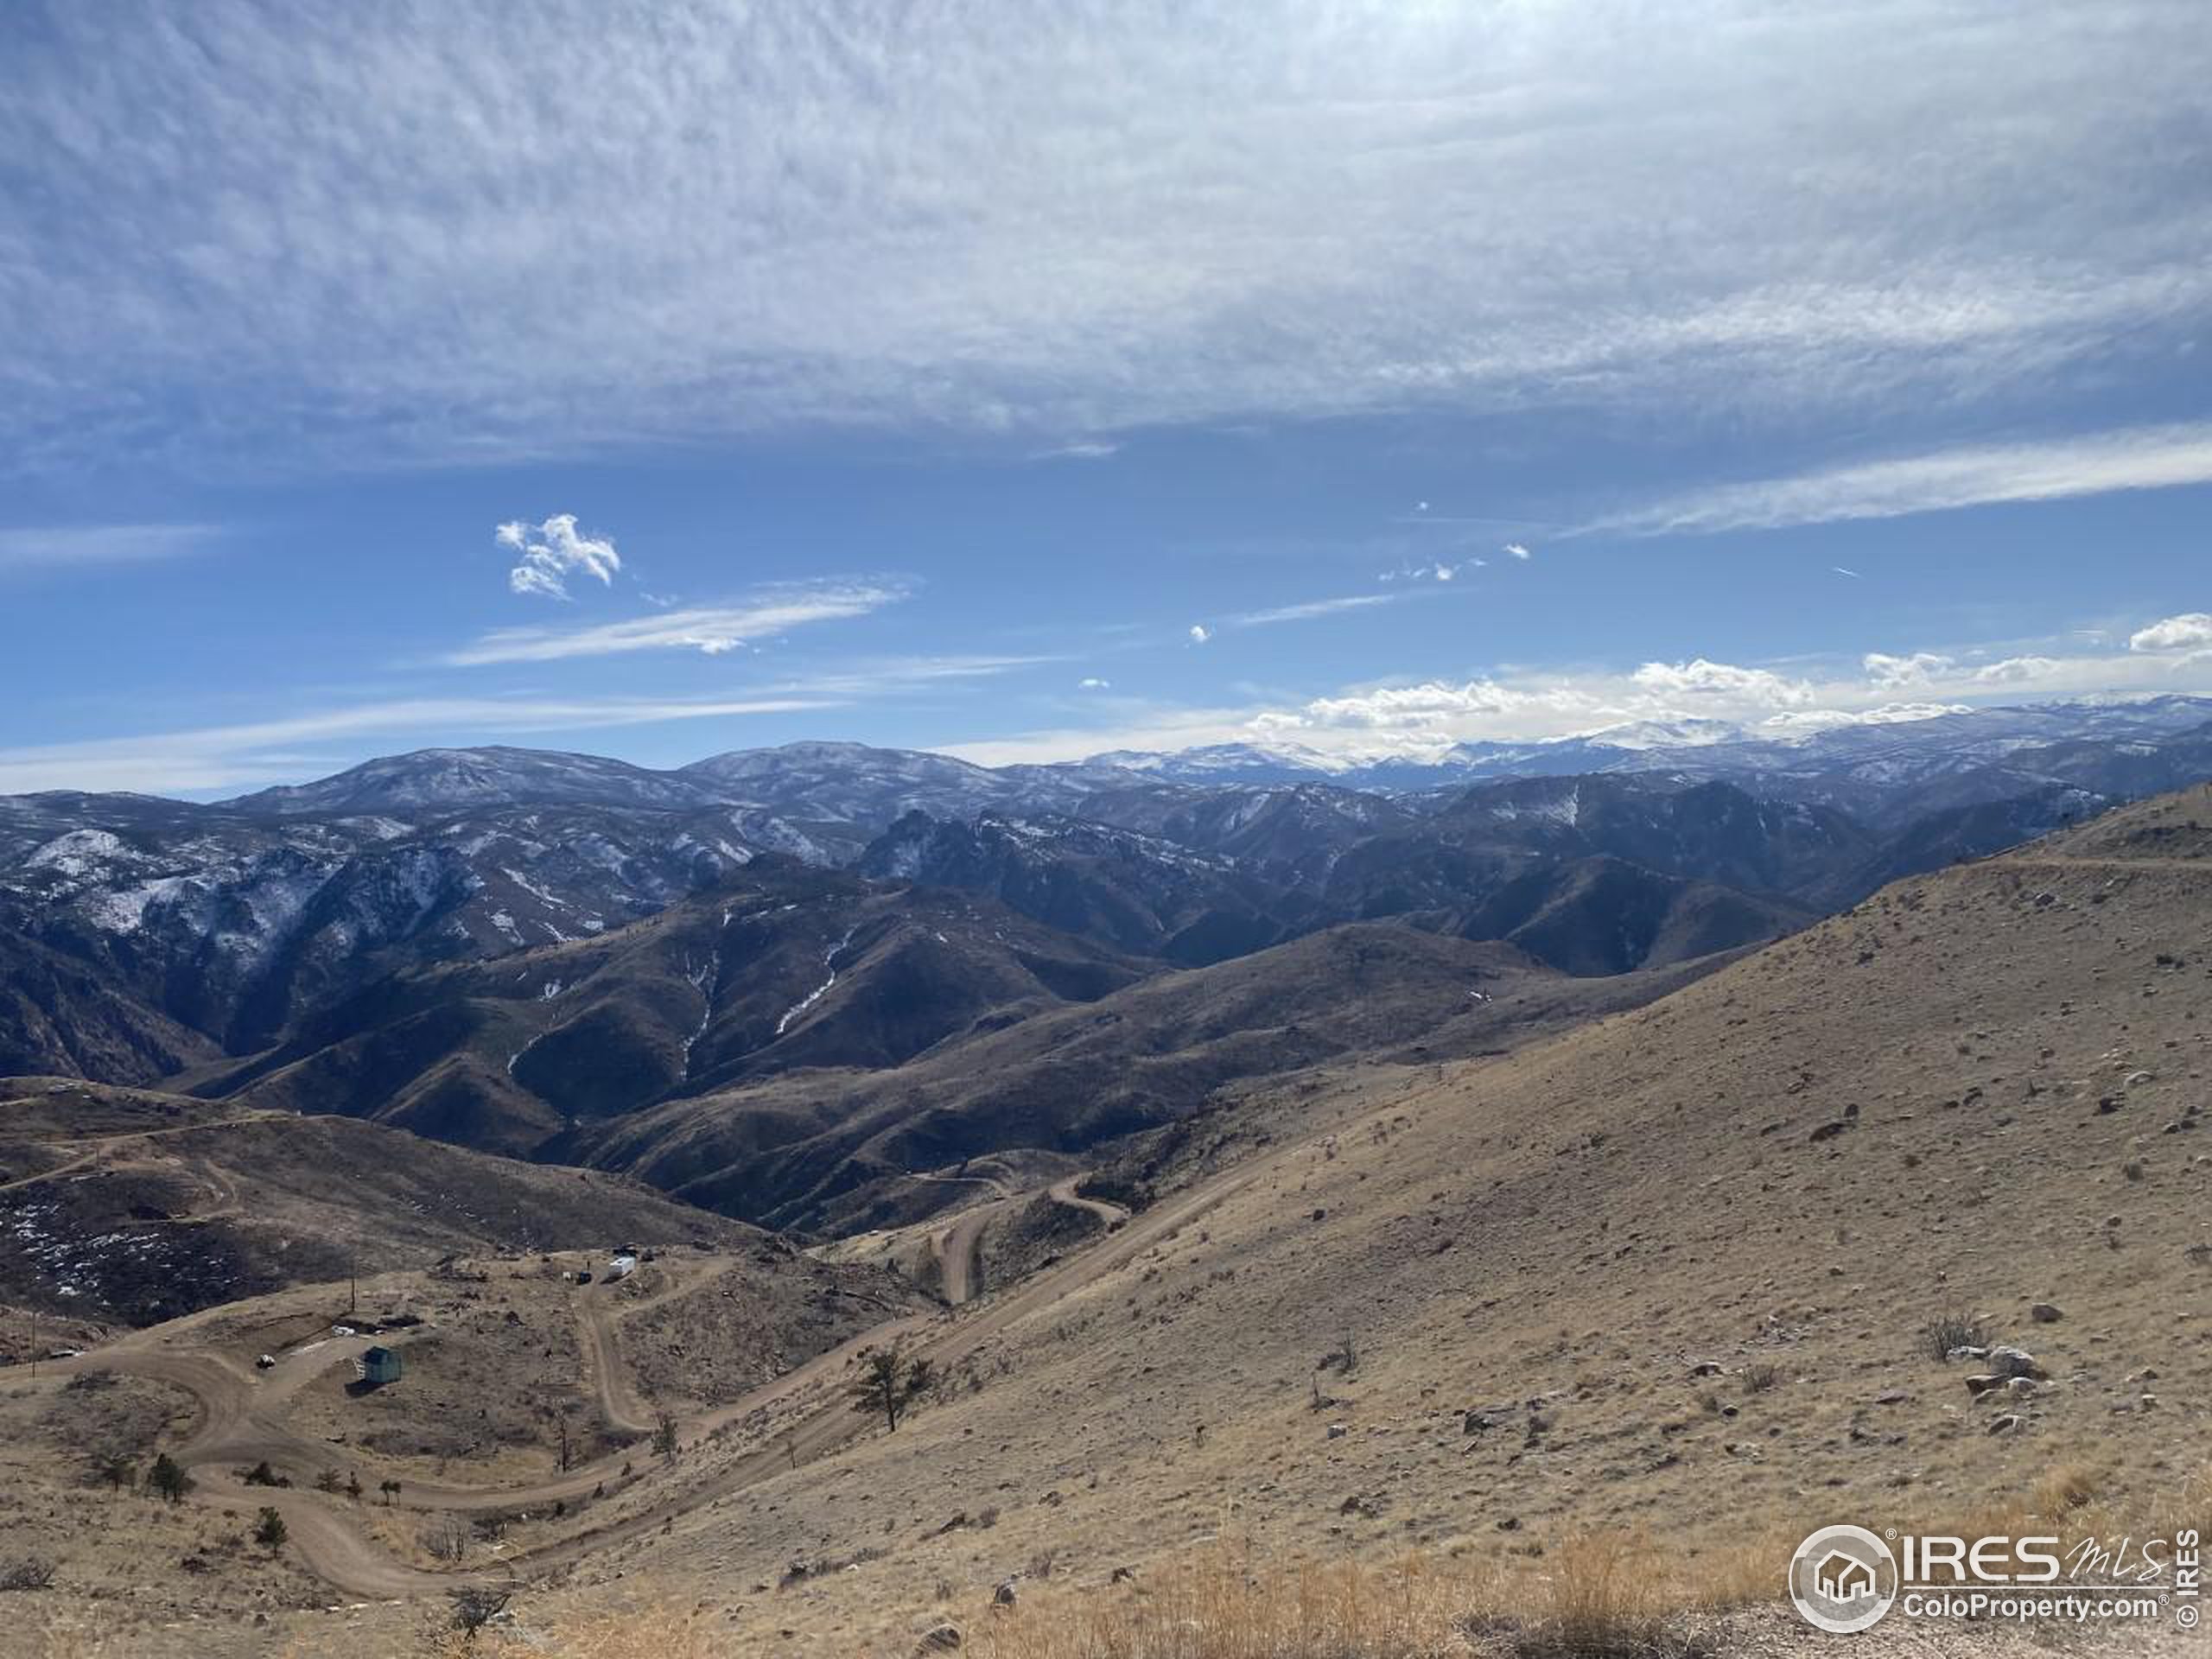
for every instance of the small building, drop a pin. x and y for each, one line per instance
(380, 1365)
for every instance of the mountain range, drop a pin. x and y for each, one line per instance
(791, 983)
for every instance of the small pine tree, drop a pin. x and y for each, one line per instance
(167, 1480)
(665, 1436)
(270, 1532)
(353, 1486)
(119, 1472)
(889, 1383)
(389, 1489)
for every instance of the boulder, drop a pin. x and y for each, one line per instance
(2046, 1313)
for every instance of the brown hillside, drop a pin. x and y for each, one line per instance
(1678, 1266)
(135, 1206)
(837, 1150)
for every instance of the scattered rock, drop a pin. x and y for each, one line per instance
(1978, 1386)
(1509, 1524)
(2046, 1313)
(2004, 1425)
(2015, 1362)
(1891, 1397)
(1958, 1354)
(2022, 1388)
(1337, 1431)
(1006, 1595)
(1120, 1575)
(944, 1638)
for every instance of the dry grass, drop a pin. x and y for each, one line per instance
(1224, 1605)
(654, 1632)
(1598, 1595)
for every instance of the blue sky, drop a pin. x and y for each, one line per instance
(1024, 384)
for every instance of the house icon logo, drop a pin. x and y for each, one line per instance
(1843, 1580)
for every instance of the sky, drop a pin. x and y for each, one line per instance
(1030, 382)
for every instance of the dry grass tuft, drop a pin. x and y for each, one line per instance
(1221, 1606)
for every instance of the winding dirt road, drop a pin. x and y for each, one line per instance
(239, 1423)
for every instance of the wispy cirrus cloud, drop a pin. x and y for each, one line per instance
(782, 217)
(195, 760)
(1310, 609)
(81, 547)
(2135, 458)
(710, 629)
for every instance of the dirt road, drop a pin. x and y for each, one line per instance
(238, 1412)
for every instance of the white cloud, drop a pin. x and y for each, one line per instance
(74, 547)
(1919, 669)
(2138, 457)
(2018, 670)
(2190, 631)
(238, 756)
(710, 629)
(1092, 682)
(1432, 704)
(1516, 550)
(778, 217)
(1422, 719)
(1305, 612)
(1701, 679)
(552, 552)
(1081, 449)
(1438, 571)
(1200, 633)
